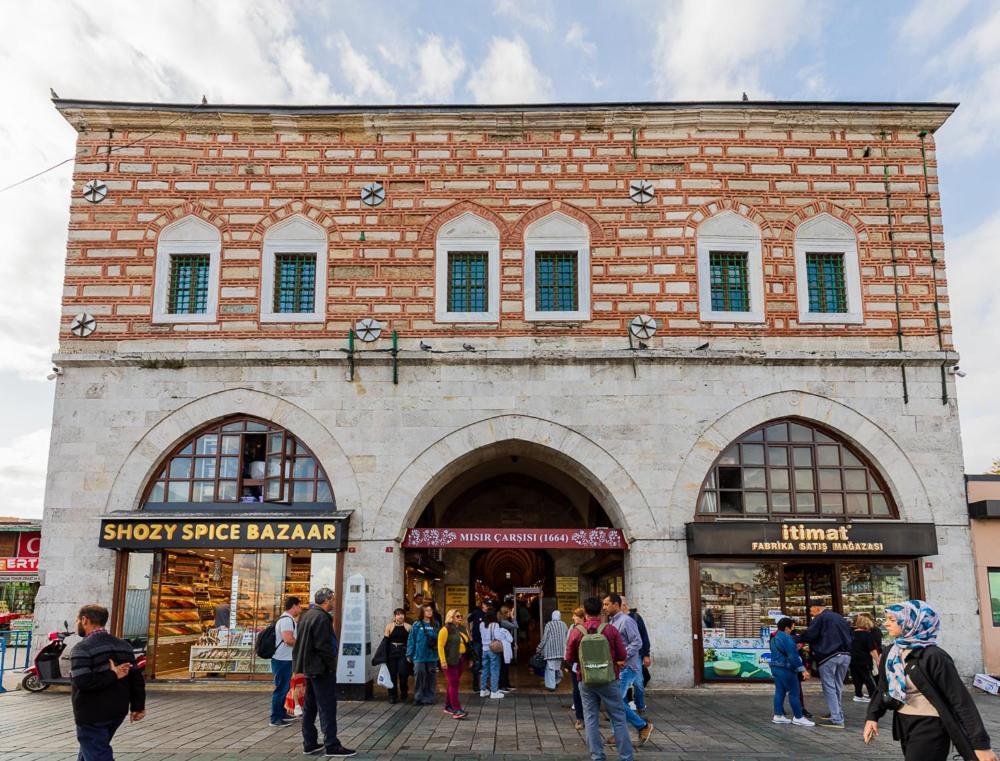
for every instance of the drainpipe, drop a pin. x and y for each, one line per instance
(934, 259)
(895, 273)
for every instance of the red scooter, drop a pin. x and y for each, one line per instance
(47, 669)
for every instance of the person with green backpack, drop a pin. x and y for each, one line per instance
(599, 653)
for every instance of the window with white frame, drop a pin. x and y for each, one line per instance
(293, 280)
(186, 283)
(827, 273)
(467, 271)
(730, 269)
(557, 269)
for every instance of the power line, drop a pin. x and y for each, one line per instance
(110, 151)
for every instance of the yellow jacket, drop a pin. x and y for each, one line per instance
(463, 638)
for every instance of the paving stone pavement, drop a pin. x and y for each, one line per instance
(691, 725)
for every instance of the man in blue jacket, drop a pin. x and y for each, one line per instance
(829, 638)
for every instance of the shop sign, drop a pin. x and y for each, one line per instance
(543, 538)
(179, 533)
(763, 538)
(28, 544)
(19, 565)
(569, 584)
(456, 596)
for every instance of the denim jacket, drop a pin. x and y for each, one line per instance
(785, 653)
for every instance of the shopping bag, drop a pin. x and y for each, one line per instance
(296, 697)
(384, 680)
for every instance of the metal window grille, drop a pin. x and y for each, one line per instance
(294, 283)
(468, 281)
(188, 284)
(556, 281)
(730, 291)
(827, 291)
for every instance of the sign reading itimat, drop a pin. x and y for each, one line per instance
(535, 538)
(175, 533)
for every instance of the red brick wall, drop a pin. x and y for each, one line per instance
(643, 257)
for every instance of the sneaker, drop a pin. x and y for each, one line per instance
(803, 722)
(313, 750)
(505, 690)
(449, 710)
(460, 714)
(484, 693)
(340, 752)
(862, 700)
(806, 713)
(827, 722)
(280, 723)
(780, 719)
(645, 732)
(298, 711)
(497, 695)
(631, 704)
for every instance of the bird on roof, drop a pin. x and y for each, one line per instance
(204, 100)
(424, 346)
(745, 98)
(54, 94)
(468, 347)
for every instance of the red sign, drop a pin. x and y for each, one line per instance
(18, 565)
(28, 544)
(532, 538)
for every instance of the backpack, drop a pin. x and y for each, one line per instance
(267, 641)
(594, 655)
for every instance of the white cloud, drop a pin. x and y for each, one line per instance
(708, 49)
(928, 20)
(365, 79)
(576, 37)
(973, 272)
(534, 13)
(508, 75)
(438, 68)
(22, 474)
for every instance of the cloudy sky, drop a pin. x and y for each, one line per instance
(483, 51)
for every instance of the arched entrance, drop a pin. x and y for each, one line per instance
(514, 530)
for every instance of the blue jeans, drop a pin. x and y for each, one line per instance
(321, 698)
(639, 692)
(786, 682)
(490, 671)
(832, 672)
(628, 678)
(611, 696)
(95, 740)
(282, 671)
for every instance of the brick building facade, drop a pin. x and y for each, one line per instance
(790, 253)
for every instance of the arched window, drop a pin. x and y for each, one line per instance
(557, 269)
(293, 274)
(239, 460)
(827, 274)
(791, 468)
(467, 271)
(730, 269)
(186, 287)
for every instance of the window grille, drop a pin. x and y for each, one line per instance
(294, 283)
(730, 289)
(556, 281)
(188, 284)
(468, 281)
(827, 290)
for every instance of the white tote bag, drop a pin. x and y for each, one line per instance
(384, 680)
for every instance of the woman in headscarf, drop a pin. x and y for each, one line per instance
(918, 681)
(552, 648)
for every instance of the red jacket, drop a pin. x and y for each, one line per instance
(618, 653)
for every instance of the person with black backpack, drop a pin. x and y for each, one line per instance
(599, 653)
(276, 642)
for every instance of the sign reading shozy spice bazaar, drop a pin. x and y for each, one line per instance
(176, 533)
(794, 538)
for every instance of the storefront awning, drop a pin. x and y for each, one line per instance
(534, 538)
(150, 531)
(985, 508)
(813, 538)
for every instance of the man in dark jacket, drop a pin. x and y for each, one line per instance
(315, 656)
(106, 686)
(829, 637)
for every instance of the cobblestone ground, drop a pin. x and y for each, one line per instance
(691, 725)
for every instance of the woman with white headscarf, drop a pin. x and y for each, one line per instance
(918, 681)
(552, 648)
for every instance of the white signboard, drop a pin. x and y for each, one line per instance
(355, 643)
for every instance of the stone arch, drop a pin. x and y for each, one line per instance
(901, 477)
(818, 208)
(722, 205)
(175, 214)
(301, 208)
(545, 209)
(487, 439)
(429, 231)
(141, 462)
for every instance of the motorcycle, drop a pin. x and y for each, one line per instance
(47, 669)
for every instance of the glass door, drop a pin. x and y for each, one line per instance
(803, 583)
